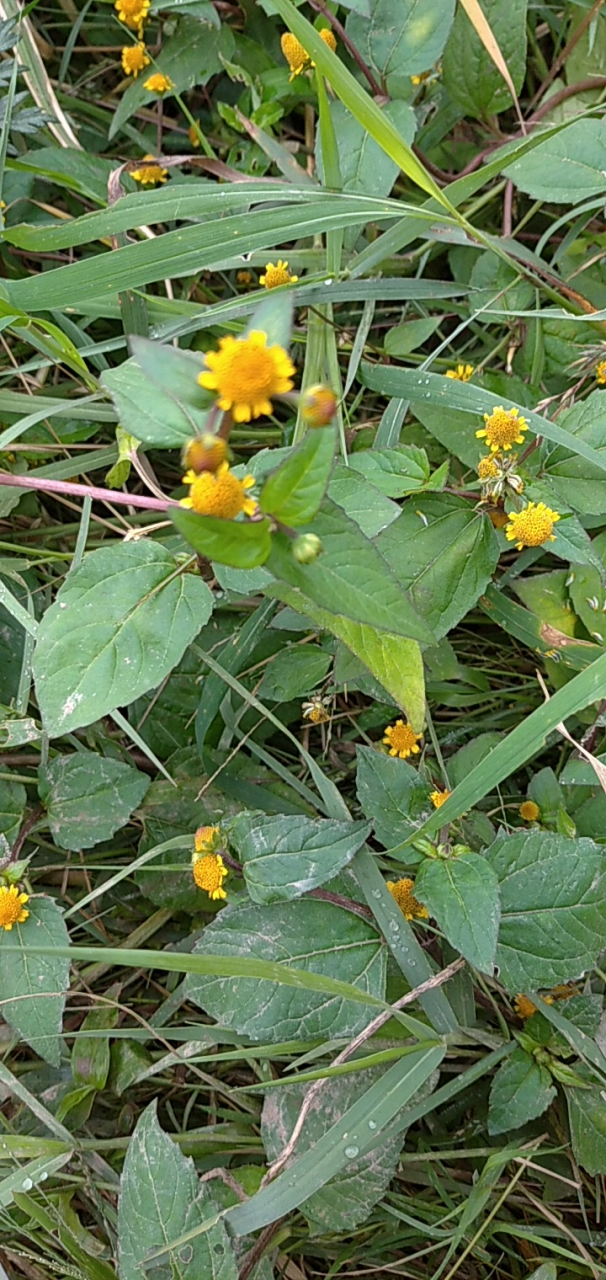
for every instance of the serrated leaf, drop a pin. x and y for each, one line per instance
(13, 799)
(308, 934)
(566, 168)
(392, 795)
(587, 1116)
(395, 472)
(161, 1198)
(470, 75)
(443, 553)
(293, 493)
(243, 545)
(148, 411)
(284, 857)
(351, 572)
(88, 797)
(34, 986)
(462, 894)
(294, 672)
(521, 1091)
(553, 907)
(401, 40)
(119, 625)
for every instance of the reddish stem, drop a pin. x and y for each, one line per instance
(85, 491)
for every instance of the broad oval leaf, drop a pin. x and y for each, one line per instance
(149, 411)
(565, 169)
(521, 1091)
(401, 39)
(295, 490)
(243, 545)
(119, 625)
(587, 1117)
(87, 797)
(161, 1198)
(392, 795)
(462, 894)
(308, 934)
(284, 857)
(553, 907)
(33, 986)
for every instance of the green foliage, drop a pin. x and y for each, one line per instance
(88, 798)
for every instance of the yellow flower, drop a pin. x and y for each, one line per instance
(318, 405)
(209, 872)
(245, 373)
(148, 174)
(600, 373)
(315, 710)
(524, 1007)
(529, 811)
(296, 56)
(422, 78)
(133, 13)
(204, 453)
(207, 839)
(193, 136)
(134, 59)
(488, 469)
(158, 83)
(277, 275)
(401, 740)
(402, 891)
(244, 278)
(504, 427)
(532, 526)
(463, 372)
(219, 493)
(438, 798)
(329, 38)
(12, 907)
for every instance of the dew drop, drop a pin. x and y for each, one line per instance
(376, 893)
(28, 1184)
(351, 1152)
(372, 1124)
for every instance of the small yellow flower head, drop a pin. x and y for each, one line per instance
(488, 469)
(149, 174)
(207, 840)
(12, 907)
(600, 373)
(329, 38)
(524, 1007)
(463, 372)
(133, 13)
(532, 526)
(275, 276)
(504, 427)
(204, 453)
(318, 405)
(529, 811)
(158, 83)
(296, 56)
(192, 134)
(401, 740)
(246, 373)
(438, 798)
(134, 59)
(422, 78)
(219, 493)
(244, 278)
(316, 710)
(209, 872)
(402, 891)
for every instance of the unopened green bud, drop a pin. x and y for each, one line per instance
(306, 548)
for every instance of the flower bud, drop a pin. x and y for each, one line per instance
(307, 548)
(318, 405)
(204, 453)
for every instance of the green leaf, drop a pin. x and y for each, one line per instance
(348, 1198)
(119, 625)
(587, 1117)
(521, 1091)
(35, 985)
(364, 166)
(565, 169)
(91, 1054)
(395, 472)
(148, 410)
(553, 907)
(395, 662)
(13, 799)
(411, 335)
(443, 553)
(352, 572)
(171, 370)
(462, 894)
(161, 1198)
(392, 795)
(242, 544)
(293, 493)
(87, 797)
(361, 500)
(578, 483)
(294, 672)
(470, 75)
(588, 596)
(402, 39)
(308, 935)
(169, 812)
(284, 857)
